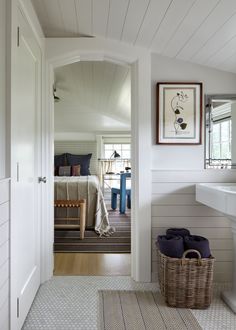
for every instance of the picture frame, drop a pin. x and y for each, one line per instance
(179, 113)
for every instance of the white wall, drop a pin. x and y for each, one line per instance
(176, 169)
(2, 87)
(214, 82)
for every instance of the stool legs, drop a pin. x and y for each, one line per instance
(82, 219)
(122, 203)
(113, 201)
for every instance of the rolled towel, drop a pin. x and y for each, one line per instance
(197, 243)
(170, 245)
(178, 232)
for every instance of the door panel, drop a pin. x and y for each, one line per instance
(25, 169)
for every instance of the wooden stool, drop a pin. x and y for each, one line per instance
(81, 220)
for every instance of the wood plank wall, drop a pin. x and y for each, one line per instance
(4, 254)
(174, 205)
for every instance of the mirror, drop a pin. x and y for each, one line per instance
(220, 125)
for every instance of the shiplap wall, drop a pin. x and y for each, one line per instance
(174, 205)
(176, 169)
(2, 87)
(79, 148)
(4, 254)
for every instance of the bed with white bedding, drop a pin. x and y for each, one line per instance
(83, 187)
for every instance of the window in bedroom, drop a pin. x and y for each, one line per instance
(116, 165)
(123, 149)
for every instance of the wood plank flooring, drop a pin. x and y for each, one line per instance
(92, 264)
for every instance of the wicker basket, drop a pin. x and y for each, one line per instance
(186, 282)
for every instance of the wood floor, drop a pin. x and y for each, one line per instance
(91, 264)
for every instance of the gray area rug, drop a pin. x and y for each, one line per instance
(140, 310)
(119, 242)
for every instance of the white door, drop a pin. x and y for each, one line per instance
(25, 189)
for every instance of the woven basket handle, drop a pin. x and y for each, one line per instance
(188, 251)
(192, 250)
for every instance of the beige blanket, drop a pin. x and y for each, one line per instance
(84, 187)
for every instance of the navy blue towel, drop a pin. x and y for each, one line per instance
(170, 245)
(178, 232)
(197, 243)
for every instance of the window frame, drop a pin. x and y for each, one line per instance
(120, 150)
(220, 142)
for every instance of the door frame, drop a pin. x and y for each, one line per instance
(61, 51)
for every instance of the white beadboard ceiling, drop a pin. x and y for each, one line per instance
(199, 31)
(94, 97)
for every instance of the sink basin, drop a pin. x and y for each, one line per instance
(222, 197)
(219, 196)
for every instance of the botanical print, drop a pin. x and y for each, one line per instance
(176, 107)
(179, 113)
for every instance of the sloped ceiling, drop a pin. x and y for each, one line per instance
(199, 31)
(94, 97)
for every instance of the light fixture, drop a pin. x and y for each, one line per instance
(115, 154)
(56, 98)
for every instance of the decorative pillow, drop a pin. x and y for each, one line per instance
(83, 160)
(59, 160)
(76, 170)
(64, 170)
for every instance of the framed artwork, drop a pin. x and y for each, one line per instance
(179, 113)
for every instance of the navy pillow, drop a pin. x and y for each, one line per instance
(82, 160)
(59, 160)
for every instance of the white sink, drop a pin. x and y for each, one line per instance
(219, 196)
(222, 197)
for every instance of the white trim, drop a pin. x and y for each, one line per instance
(5, 179)
(67, 50)
(29, 12)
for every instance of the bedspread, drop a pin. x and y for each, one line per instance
(84, 187)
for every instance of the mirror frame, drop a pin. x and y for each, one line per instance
(208, 102)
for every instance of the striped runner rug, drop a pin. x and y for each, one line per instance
(119, 242)
(140, 310)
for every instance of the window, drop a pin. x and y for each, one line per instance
(116, 165)
(123, 149)
(221, 142)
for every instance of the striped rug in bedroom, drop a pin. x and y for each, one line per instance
(119, 242)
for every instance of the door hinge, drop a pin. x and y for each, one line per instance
(18, 36)
(18, 307)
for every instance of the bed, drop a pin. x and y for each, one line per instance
(73, 181)
(88, 188)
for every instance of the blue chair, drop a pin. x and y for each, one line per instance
(123, 192)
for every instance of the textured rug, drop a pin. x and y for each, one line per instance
(119, 242)
(140, 310)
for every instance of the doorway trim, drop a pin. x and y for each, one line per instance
(63, 51)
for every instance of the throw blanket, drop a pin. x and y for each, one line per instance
(86, 187)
